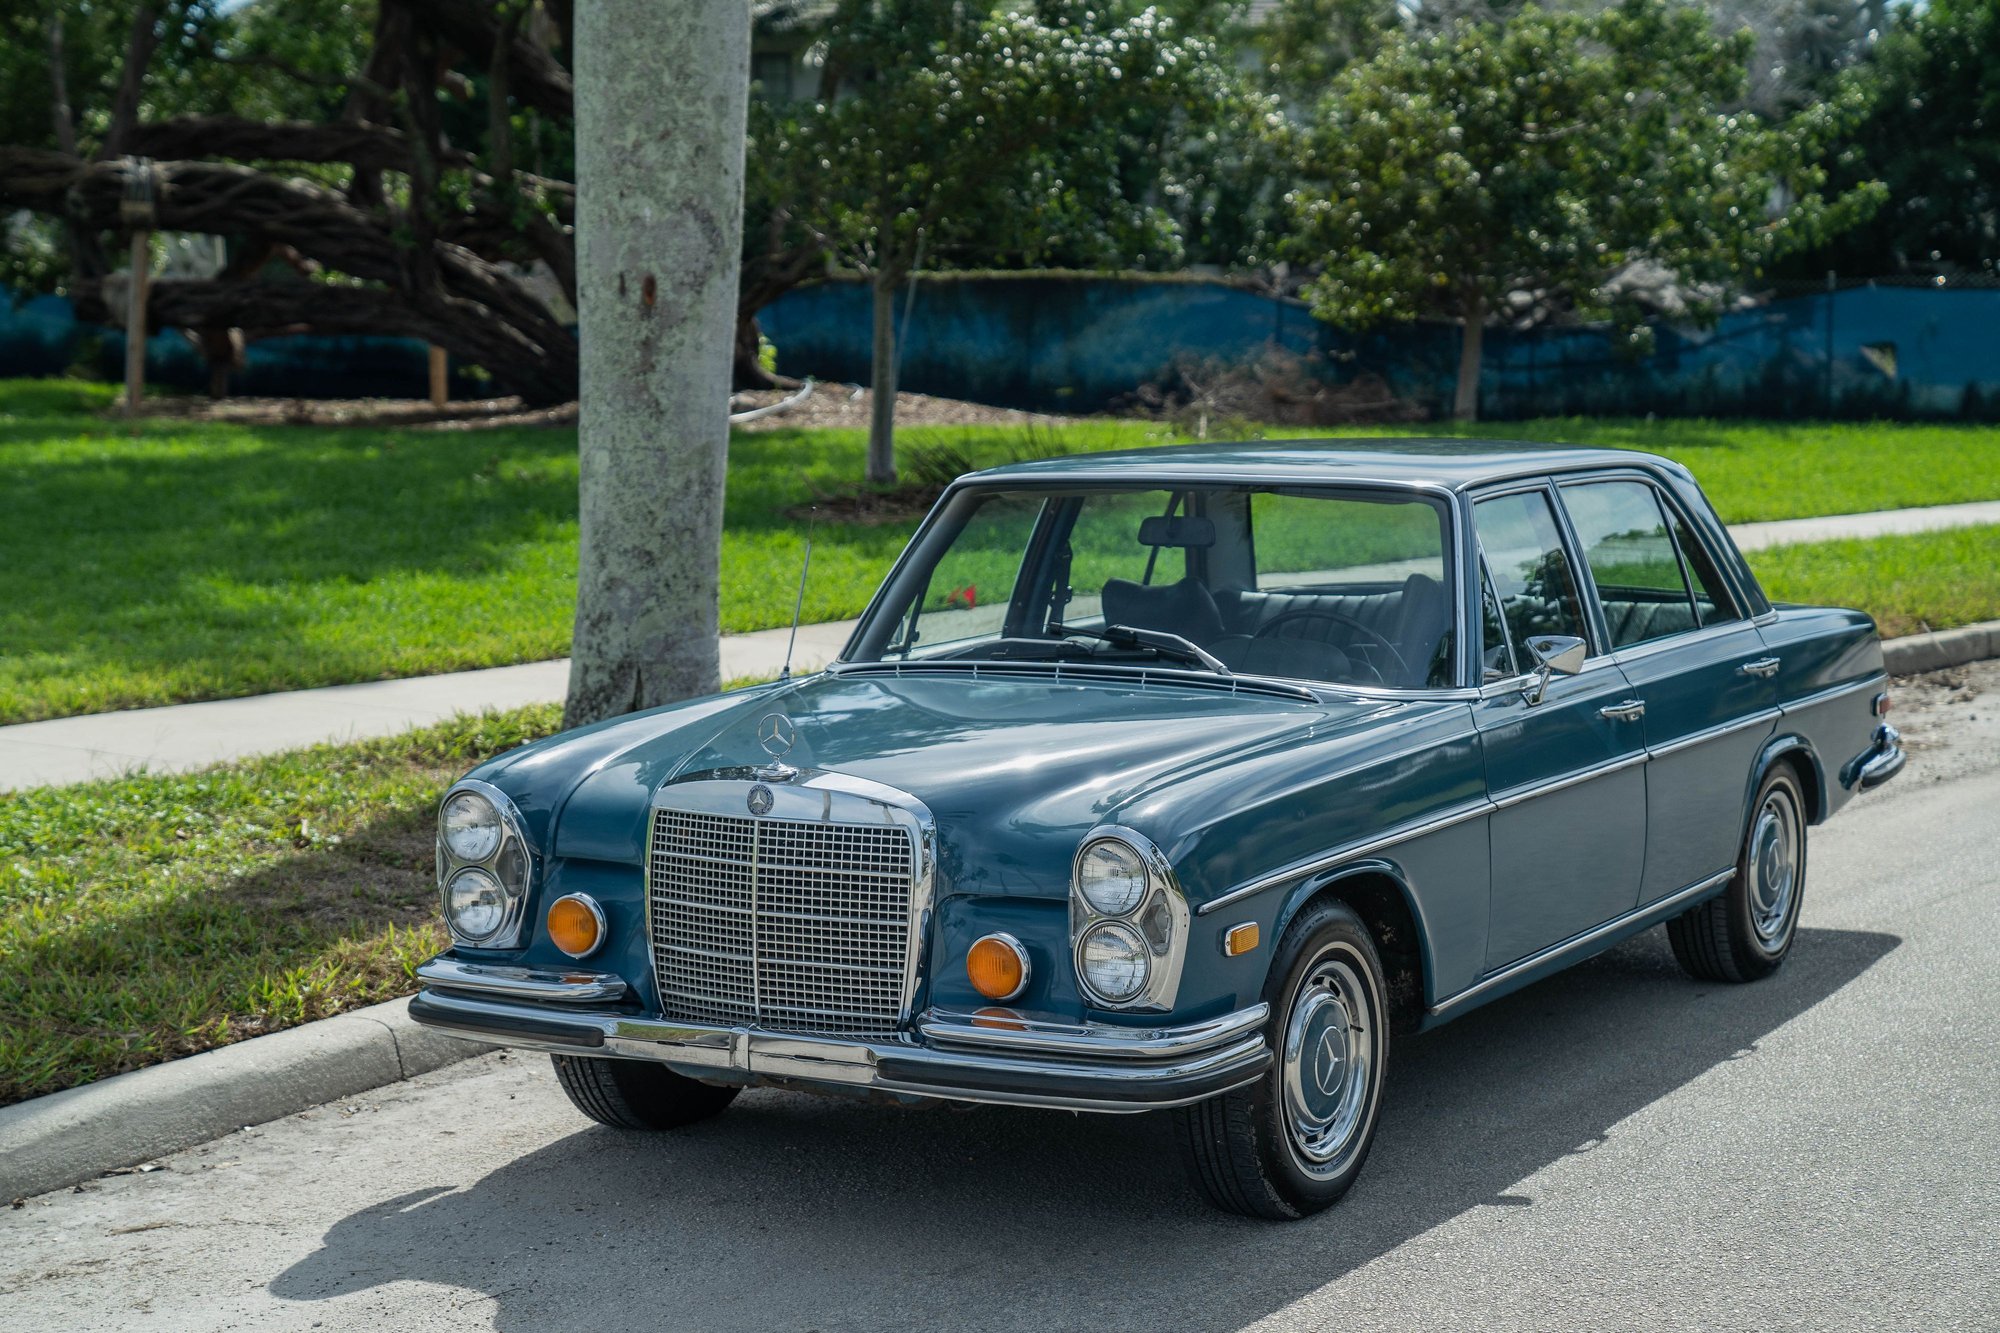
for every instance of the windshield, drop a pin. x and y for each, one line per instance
(1344, 587)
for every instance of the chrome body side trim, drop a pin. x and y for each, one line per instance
(1508, 799)
(1568, 950)
(1082, 1067)
(1348, 852)
(1832, 692)
(1763, 717)
(543, 985)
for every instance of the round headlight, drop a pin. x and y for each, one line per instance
(470, 826)
(1114, 961)
(475, 905)
(1111, 877)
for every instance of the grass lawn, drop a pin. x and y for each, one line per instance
(1924, 581)
(151, 917)
(190, 561)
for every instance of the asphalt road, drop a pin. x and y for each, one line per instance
(1617, 1147)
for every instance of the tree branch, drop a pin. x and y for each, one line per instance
(125, 107)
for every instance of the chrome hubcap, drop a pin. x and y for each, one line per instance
(1329, 1059)
(1772, 872)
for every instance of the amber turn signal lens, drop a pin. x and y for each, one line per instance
(576, 925)
(1240, 939)
(997, 966)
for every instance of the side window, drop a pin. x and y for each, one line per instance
(1531, 575)
(1711, 594)
(1623, 535)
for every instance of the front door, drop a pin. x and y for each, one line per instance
(1567, 773)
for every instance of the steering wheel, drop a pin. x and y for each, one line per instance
(1266, 631)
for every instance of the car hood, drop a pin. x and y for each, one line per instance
(1014, 771)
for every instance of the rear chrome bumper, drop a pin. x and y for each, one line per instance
(950, 1056)
(1882, 760)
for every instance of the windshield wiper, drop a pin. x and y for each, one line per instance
(1159, 640)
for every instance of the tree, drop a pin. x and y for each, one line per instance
(959, 135)
(1480, 171)
(1931, 132)
(660, 135)
(309, 137)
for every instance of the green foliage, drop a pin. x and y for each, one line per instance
(994, 136)
(1453, 170)
(154, 916)
(1931, 133)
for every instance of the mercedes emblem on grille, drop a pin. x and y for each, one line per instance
(774, 733)
(760, 800)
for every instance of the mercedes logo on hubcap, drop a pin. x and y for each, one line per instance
(1327, 1060)
(775, 734)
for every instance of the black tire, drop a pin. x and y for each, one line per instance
(1745, 932)
(637, 1094)
(1252, 1151)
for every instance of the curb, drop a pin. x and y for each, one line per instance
(47, 1143)
(1943, 648)
(51, 1142)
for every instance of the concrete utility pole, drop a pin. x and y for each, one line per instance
(661, 97)
(136, 211)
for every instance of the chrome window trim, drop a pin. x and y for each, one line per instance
(1699, 635)
(512, 827)
(1348, 852)
(1577, 943)
(814, 796)
(1595, 633)
(1163, 976)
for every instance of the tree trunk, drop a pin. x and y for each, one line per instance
(661, 97)
(747, 372)
(1465, 403)
(882, 380)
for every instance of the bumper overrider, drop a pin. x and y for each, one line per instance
(1882, 760)
(948, 1056)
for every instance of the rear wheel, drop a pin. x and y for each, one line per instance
(637, 1094)
(1745, 931)
(1292, 1143)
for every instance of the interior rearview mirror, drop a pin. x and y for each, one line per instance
(1554, 653)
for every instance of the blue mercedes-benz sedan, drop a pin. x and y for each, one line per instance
(1177, 778)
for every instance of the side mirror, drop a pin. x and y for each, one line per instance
(1554, 653)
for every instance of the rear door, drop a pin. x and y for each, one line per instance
(1693, 660)
(1567, 776)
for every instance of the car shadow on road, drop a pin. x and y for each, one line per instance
(801, 1212)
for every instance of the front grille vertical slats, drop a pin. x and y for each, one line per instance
(780, 924)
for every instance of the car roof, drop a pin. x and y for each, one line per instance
(1451, 463)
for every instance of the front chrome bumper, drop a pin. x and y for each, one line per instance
(951, 1056)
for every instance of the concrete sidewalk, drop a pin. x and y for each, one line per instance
(186, 736)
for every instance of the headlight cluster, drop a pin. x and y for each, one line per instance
(483, 866)
(1128, 921)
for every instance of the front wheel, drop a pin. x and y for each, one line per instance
(1745, 932)
(637, 1094)
(1292, 1143)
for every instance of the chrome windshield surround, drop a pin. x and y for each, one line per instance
(1163, 900)
(811, 797)
(514, 836)
(536, 984)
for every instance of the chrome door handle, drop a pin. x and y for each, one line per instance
(1763, 667)
(1629, 711)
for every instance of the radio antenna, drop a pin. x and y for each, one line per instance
(799, 606)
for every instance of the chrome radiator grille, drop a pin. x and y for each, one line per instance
(784, 924)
